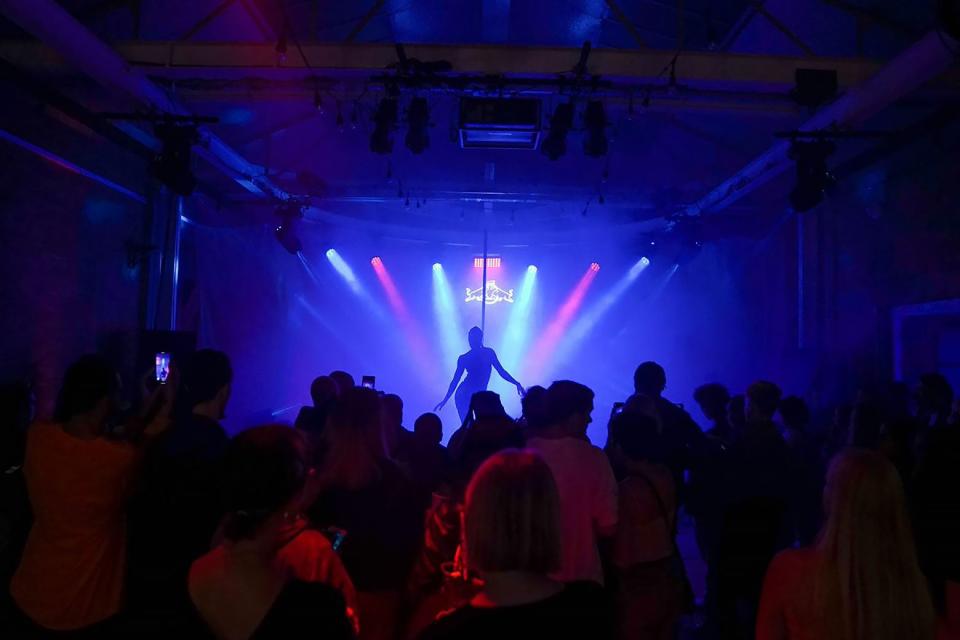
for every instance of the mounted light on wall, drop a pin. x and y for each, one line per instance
(555, 144)
(595, 143)
(418, 119)
(385, 119)
(286, 231)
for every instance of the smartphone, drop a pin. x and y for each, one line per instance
(368, 382)
(162, 368)
(617, 408)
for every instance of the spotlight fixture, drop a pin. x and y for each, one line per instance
(594, 266)
(595, 142)
(172, 165)
(385, 119)
(418, 119)
(813, 176)
(437, 266)
(555, 144)
(532, 268)
(376, 261)
(286, 231)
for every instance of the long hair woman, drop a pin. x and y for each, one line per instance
(861, 580)
(511, 541)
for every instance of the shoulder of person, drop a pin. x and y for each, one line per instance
(791, 563)
(449, 623)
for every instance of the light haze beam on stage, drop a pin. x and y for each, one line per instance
(518, 325)
(345, 271)
(544, 349)
(447, 315)
(589, 319)
(419, 346)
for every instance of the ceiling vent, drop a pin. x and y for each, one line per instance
(499, 123)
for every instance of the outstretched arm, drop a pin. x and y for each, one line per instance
(505, 375)
(453, 384)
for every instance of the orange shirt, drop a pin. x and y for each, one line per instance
(73, 566)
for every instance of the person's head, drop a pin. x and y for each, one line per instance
(934, 395)
(737, 412)
(795, 413)
(475, 338)
(323, 390)
(355, 438)
(511, 519)
(869, 584)
(763, 398)
(487, 404)
(90, 389)
(650, 379)
(713, 399)
(866, 425)
(428, 428)
(344, 381)
(534, 405)
(207, 378)
(264, 472)
(638, 437)
(570, 407)
(392, 405)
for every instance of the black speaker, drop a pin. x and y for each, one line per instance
(814, 87)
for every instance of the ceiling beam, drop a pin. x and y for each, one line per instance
(874, 16)
(625, 21)
(695, 68)
(375, 9)
(784, 29)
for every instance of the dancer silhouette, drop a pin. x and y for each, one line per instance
(478, 364)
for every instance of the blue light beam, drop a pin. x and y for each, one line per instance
(345, 272)
(518, 325)
(447, 316)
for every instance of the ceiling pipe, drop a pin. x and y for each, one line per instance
(929, 57)
(53, 25)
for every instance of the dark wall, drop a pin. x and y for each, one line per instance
(65, 286)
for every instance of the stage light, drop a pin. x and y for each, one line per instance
(595, 143)
(341, 267)
(286, 232)
(555, 144)
(532, 268)
(385, 119)
(595, 266)
(437, 266)
(376, 261)
(418, 119)
(813, 176)
(172, 166)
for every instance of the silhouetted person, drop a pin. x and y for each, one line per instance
(584, 477)
(478, 363)
(427, 458)
(176, 512)
(323, 392)
(74, 565)
(755, 503)
(344, 381)
(683, 439)
(487, 430)
(534, 406)
(934, 398)
(795, 416)
(737, 413)
(271, 576)
(713, 399)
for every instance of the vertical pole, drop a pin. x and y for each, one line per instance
(800, 282)
(175, 276)
(483, 294)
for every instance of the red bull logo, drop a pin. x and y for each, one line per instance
(494, 294)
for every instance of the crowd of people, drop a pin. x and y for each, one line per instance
(155, 523)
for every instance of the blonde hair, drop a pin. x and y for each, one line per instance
(512, 515)
(355, 441)
(869, 584)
